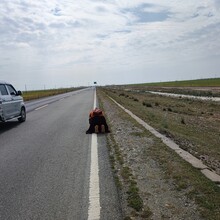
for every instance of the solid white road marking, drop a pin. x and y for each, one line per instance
(41, 107)
(94, 194)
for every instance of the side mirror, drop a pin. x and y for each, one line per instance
(19, 93)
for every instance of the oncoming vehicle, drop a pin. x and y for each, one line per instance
(11, 103)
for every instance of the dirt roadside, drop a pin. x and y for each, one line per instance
(148, 174)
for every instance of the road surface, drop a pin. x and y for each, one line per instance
(45, 163)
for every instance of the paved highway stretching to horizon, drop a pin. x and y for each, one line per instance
(45, 162)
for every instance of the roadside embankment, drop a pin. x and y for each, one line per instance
(155, 183)
(192, 124)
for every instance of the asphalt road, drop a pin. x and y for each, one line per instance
(45, 163)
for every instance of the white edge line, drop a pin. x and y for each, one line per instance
(94, 193)
(41, 107)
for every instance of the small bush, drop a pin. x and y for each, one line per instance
(147, 104)
(183, 121)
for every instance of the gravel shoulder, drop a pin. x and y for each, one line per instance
(135, 163)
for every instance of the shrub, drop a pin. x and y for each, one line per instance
(183, 121)
(147, 104)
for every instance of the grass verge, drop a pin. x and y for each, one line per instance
(196, 186)
(30, 95)
(186, 179)
(124, 178)
(190, 123)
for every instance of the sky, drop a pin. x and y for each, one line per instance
(63, 43)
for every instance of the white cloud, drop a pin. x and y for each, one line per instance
(100, 37)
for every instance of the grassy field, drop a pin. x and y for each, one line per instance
(192, 124)
(212, 82)
(200, 87)
(30, 95)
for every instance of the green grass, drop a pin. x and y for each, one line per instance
(134, 199)
(186, 83)
(200, 87)
(189, 122)
(30, 95)
(186, 178)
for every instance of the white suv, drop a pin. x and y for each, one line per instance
(11, 103)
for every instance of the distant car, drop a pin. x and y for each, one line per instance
(11, 103)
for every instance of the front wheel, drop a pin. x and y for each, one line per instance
(22, 117)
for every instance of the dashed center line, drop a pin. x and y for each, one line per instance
(41, 107)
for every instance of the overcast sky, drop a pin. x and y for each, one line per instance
(60, 43)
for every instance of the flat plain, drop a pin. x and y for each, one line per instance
(192, 124)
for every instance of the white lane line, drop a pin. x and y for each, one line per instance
(94, 194)
(41, 107)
